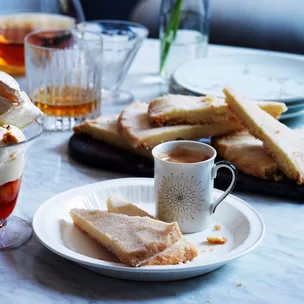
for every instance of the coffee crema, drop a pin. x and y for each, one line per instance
(183, 155)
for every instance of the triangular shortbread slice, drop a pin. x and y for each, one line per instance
(180, 109)
(283, 144)
(105, 128)
(180, 252)
(132, 239)
(135, 127)
(117, 204)
(247, 154)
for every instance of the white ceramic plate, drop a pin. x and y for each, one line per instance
(241, 224)
(261, 77)
(292, 115)
(296, 108)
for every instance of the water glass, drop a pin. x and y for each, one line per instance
(64, 70)
(122, 41)
(184, 32)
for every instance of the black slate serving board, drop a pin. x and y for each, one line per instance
(98, 154)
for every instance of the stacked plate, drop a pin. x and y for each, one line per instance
(259, 77)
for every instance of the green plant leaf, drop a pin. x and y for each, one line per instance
(171, 32)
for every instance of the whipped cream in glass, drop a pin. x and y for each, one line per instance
(16, 111)
(11, 159)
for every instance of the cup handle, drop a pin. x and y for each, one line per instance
(232, 168)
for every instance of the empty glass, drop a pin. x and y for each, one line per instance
(13, 230)
(63, 71)
(121, 41)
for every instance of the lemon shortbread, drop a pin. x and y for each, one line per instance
(117, 204)
(105, 128)
(136, 129)
(180, 252)
(181, 109)
(132, 239)
(284, 145)
(247, 154)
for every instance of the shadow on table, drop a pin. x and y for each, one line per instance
(63, 276)
(89, 171)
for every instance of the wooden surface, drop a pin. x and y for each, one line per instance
(101, 155)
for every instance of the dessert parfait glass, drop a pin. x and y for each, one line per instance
(14, 231)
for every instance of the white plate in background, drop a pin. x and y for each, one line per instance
(260, 77)
(296, 107)
(292, 115)
(240, 223)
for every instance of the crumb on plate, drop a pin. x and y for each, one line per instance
(216, 240)
(217, 227)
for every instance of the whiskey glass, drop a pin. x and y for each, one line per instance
(63, 72)
(14, 231)
(19, 18)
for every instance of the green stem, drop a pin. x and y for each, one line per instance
(171, 32)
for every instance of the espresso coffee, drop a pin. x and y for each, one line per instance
(183, 155)
(183, 185)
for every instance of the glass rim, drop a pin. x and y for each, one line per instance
(101, 21)
(24, 142)
(98, 42)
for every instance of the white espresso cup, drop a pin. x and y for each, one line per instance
(183, 191)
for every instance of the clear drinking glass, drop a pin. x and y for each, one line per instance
(122, 41)
(18, 18)
(63, 72)
(184, 32)
(13, 230)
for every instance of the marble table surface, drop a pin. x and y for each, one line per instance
(273, 273)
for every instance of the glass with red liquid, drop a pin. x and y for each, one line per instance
(14, 231)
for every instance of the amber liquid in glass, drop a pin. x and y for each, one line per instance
(13, 29)
(12, 53)
(66, 102)
(8, 197)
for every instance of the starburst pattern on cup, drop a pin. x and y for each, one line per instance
(180, 197)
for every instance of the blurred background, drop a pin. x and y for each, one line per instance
(263, 24)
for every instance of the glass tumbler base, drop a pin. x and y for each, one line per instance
(52, 123)
(15, 233)
(116, 98)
